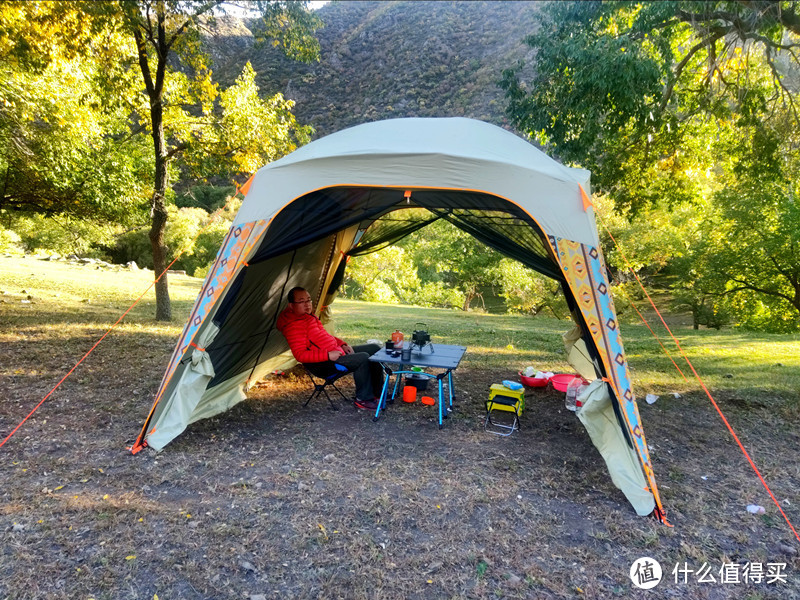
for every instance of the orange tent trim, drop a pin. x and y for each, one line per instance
(246, 187)
(587, 202)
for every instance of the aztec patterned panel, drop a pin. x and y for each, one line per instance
(584, 269)
(238, 245)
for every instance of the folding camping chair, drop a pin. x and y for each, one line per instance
(505, 404)
(329, 373)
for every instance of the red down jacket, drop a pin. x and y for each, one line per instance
(307, 338)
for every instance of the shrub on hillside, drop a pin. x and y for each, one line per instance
(63, 235)
(192, 234)
(10, 242)
(436, 294)
(527, 292)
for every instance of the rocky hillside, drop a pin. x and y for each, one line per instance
(381, 60)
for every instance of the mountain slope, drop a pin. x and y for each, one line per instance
(382, 60)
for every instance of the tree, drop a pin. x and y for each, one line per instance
(528, 292)
(173, 101)
(681, 104)
(442, 252)
(635, 91)
(179, 110)
(64, 137)
(387, 276)
(755, 243)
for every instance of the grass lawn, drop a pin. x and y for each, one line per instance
(273, 500)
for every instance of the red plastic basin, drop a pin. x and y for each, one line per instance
(560, 381)
(533, 381)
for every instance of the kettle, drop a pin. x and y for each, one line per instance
(420, 337)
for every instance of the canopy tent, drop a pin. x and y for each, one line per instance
(350, 193)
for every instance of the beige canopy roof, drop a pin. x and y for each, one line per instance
(452, 153)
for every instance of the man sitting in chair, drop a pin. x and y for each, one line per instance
(318, 350)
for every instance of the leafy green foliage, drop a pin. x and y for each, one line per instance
(672, 77)
(688, 128)
(249, 132)
(527, 292)
(758, 209)
(443, 253)
(390, 276)
(64, 149)
(63, 234)
(706, 309)
(82, 154)
(191, 233)
(10, 241)
(180, 110)
(385, 276)
(208, 197)
(442, 266)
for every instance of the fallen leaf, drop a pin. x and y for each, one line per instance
(130, 557)
(247, 566)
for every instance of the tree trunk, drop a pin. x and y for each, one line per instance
(155, 89)
(159, 216)
(468, 296)
(163, 305)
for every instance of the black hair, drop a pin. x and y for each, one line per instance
(290, 295)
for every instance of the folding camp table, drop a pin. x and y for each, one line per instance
(432, 356)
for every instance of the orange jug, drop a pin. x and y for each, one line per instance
(409, 394)
(397, 338)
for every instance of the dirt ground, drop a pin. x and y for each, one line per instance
(273, 500)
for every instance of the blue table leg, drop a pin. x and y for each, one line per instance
(382, 399)
(441, 400)
(450, 387)
(394, 390)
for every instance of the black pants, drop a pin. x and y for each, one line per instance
(368, 375)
